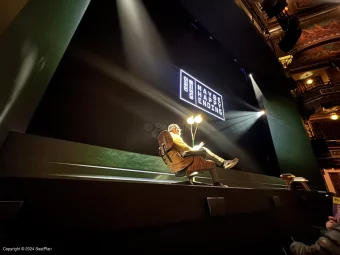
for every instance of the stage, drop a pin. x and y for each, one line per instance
(106, 215)
(62, 193)
(33, 156)
(102, 82)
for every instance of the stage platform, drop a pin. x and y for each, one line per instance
(33, 156)
(109, 216)
(74, 196)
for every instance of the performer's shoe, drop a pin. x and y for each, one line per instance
(220, 184)
(227, 164)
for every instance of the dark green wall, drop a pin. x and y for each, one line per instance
(292, 145)
(30, 50)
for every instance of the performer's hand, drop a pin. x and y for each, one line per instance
(331, 222)
(195, 148)
(198, 147)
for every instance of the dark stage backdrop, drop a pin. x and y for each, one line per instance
(35, 38)
(117, 85)
(233, 28)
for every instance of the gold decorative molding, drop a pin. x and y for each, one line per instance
(286, 60)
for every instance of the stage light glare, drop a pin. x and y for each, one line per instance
(250, 75)
(262, 113)
(334, 116)
(198, 119)
(191, 120)
(310, 81)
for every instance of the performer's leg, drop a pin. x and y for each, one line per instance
(211, 156)
(215, 179)
(220, 161)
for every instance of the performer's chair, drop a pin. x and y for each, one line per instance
(191, 177)
(188, 166)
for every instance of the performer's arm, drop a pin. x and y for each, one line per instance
(180, 143)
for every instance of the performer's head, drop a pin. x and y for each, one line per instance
(174, 128)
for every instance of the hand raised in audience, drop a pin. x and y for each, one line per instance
(331, 222)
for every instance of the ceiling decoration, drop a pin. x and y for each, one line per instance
(318, 35)
(286, 60)
(304, 4)
(320, 23)
(329, 114)
(317, 54)
(306, 75)
(331, 109)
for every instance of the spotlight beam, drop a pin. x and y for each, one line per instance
(258, 92)
(227, 127)
(30, 57)
(243, 102)
(245, 126)
(234, 114)
(248, 115)
(239, 130)
(144, 49)
(116, 73)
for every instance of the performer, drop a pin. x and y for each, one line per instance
(181, 147)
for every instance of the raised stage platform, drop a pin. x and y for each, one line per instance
(124, 216)
(33, 156)
(76, 197)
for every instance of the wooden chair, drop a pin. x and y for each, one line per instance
(189, 167)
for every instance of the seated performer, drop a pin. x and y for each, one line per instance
(181, 147)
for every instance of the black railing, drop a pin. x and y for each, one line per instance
(317, 90)
(303, 85)
(335, 82)
(330, 158)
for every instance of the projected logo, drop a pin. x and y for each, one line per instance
(200, 95)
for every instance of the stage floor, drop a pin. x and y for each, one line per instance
(75, 208)
(33, 156)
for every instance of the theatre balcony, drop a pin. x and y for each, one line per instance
(328, 153)
(313, 94)
(312, 61)
(323, 130)
(317, 94)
